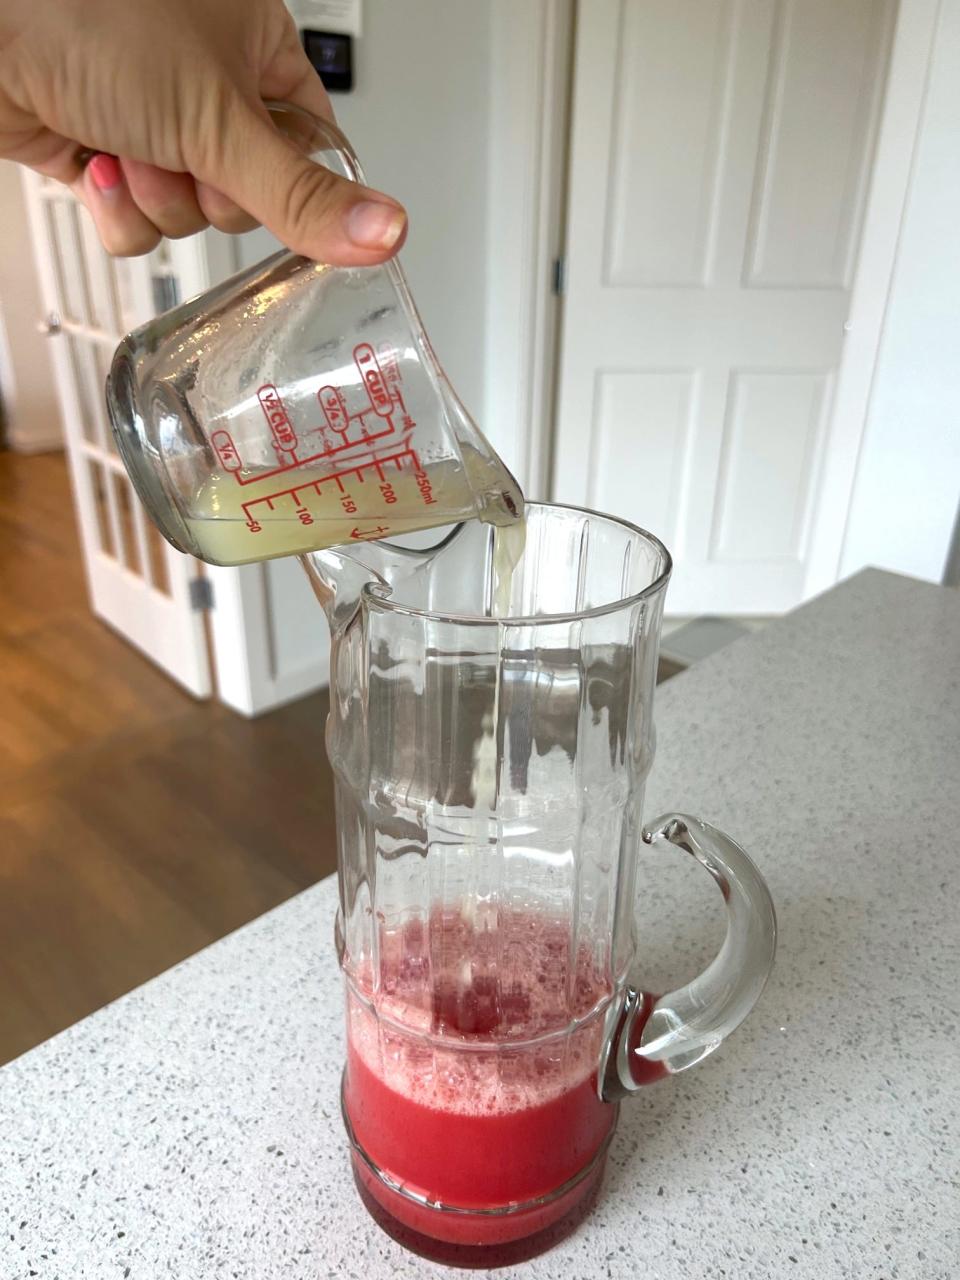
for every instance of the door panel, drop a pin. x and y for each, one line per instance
(674, 56)
(769, 440)
(820, 104)
(653, 466)
(720, 156)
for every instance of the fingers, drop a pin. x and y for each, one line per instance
(114, 193)
(221, 212)
(98, 181)
(123, 228)
(53, 156)
(133, 204)
(308, 208)
(168, 200)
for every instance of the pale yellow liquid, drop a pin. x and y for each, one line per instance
(323, 512)
(509, 541)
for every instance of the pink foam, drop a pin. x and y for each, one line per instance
(482, 1016)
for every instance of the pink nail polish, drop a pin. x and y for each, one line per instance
(105, 171)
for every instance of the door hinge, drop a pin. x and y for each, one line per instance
(51, 325)
(201, 594)
(559, 275)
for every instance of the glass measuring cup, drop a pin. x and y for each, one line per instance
(490, 743)
(297, 406)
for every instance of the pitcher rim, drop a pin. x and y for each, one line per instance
(378, 592)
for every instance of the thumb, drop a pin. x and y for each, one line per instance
(311, 210)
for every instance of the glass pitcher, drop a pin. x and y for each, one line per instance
(490, 732)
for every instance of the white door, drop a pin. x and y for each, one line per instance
(138, 583)
(721, 153)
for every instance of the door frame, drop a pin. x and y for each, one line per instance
(531, 70)
(904, 98)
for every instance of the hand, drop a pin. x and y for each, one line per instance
(169, 99)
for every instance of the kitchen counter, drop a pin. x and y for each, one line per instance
(192, 1128)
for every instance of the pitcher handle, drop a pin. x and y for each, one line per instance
(659, 1035)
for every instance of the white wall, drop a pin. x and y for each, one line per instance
(418, 118)
(908, 478)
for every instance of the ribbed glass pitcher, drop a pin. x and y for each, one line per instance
(490, 731)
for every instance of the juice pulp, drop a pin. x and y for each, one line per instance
(471, 1072)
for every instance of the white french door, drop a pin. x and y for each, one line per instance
(267, 635)
(138, 583)
(721, 155)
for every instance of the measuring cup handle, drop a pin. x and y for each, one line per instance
(317, 138)
(661, 1035)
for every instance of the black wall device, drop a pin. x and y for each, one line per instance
(332, 56)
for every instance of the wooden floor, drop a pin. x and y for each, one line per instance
(136, 825)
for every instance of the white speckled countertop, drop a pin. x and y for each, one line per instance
(192, 1130)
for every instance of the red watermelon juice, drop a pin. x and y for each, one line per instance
(471, 1078)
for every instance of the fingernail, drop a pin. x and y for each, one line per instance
(372, 225)
(105, 171)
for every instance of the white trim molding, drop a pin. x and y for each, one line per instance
(908, 75)
(531, 48)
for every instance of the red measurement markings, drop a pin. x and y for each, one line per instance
(424, 485)
(334, 409)
(321, 455)
(362, 436)
(376, 532)
(391, 372)
(369, 366)
(222, 441)
(387, 355)
(284, 436)
(335, 477)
